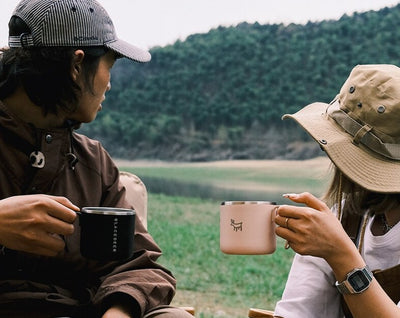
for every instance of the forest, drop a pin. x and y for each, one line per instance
(221, 95)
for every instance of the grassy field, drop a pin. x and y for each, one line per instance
(187, 229)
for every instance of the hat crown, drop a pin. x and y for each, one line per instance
(371, 95)
(66, 22)
(360, 130)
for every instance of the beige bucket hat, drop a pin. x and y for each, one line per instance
(360, 129)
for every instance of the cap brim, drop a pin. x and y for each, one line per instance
(371, 171)
(129, 51)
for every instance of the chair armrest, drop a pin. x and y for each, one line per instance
(189, 310)
(260, 313)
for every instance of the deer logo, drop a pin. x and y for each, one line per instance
(236, 226)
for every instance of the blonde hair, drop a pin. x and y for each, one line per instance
(357, 200)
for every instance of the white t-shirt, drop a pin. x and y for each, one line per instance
(310, 289)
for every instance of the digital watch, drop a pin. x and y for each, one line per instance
(356, 281)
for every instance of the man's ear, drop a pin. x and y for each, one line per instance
(76, 67)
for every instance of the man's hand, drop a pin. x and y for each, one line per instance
(34, 223)
(116, 312)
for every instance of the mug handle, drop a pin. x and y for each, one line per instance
(274, 213)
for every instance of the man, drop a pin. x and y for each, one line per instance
(53, 77)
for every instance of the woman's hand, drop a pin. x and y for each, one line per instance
(34, 223)
(313, 229)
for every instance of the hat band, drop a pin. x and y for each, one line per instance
(23, 40)
(362, 133)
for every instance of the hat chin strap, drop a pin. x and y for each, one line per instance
(362, 133)
(340, 196)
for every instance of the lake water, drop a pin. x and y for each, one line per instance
(179, 188)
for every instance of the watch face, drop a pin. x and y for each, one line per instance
(358, 281)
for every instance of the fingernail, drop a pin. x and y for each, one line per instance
(289, 195)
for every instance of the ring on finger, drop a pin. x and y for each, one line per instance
(287, 245)
(287, 223)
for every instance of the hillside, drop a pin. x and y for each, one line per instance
(220, 95)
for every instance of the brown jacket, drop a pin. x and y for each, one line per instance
(69, 281)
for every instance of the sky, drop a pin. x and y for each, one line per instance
(149, 23)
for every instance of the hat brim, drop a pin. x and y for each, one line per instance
(369, 170)
(129, 51)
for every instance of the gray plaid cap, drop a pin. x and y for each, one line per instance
(76, 23)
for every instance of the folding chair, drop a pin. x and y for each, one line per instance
(137, 196)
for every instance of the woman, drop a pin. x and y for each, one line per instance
(53, 77)
(360, 133)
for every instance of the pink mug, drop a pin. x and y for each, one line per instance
(247, 227)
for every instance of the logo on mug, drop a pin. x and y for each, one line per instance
(115, 236)
(236, 225)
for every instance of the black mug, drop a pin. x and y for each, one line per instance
(107, 233)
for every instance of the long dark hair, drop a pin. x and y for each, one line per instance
(45, 72)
